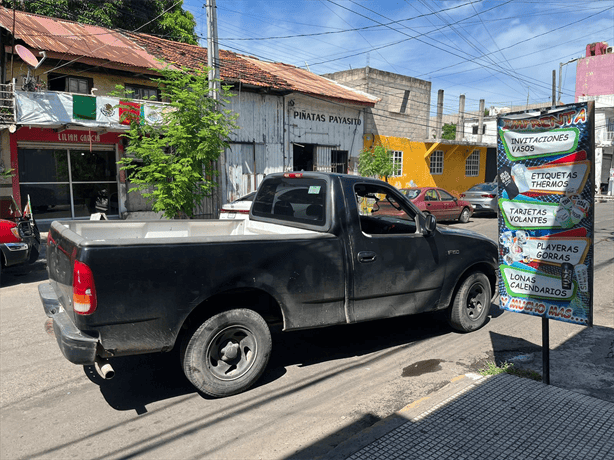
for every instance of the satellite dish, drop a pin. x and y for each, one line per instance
(26, 55)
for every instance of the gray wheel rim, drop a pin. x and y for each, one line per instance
(231, 353)
(476, 301)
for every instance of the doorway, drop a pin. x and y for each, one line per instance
(303, 157)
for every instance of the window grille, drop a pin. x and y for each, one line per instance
(437, 162)
(472, 164)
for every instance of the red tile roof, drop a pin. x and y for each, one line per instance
(252, 71)
(67, 40)
(305, 82)
(233, 67)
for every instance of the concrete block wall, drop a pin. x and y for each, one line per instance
(403, 110)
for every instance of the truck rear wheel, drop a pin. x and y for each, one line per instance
(471, 304)
(227, 353)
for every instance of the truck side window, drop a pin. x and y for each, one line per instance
(383, 211)
(292, 199)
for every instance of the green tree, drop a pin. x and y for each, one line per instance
(165, 18)
(178, 152)
(376, 161)
(448, 131)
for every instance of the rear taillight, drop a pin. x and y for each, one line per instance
(488, 196)
(293, 175)
(462, 195)
(83, 290)
(234, 211)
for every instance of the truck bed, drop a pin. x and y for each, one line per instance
(122, 233)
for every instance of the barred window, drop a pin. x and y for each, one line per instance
(472, 164)
(437, 162)
(397, 158)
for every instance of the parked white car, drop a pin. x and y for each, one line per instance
(238, 209)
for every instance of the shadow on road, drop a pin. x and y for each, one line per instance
(144, 379)
(23, 274)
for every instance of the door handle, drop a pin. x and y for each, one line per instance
(366, 257)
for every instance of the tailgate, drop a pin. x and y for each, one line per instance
(62, 251)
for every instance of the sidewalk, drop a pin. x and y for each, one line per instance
(505, 416)
(497, 417)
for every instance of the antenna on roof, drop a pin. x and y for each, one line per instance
(307, 65)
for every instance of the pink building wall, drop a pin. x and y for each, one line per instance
(595, 72)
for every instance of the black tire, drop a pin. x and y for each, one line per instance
(228, 353)
(471, 304)
(33, 255)
(464, 216)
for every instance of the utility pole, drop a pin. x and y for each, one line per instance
(481, 121)
(460, 124)
(439, 123)
(213, 54)
(561, 64)
(213, 62)
(553, 89)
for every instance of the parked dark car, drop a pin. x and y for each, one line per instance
(430, 200)
(19, 235)
(483, 197)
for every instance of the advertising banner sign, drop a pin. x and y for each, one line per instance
(546, 219)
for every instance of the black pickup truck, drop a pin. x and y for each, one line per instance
(313, 253)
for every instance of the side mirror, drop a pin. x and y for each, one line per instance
(430, 224)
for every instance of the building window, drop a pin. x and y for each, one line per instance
(69, 183)
(474, 129)
(404, 102)
(437, 162)
(69, 83)
(472, 164)
(142, 92)
(397, 163)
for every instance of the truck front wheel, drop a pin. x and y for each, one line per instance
(227, 353)
(471, 304)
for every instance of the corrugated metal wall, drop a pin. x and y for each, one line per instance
(257, 148)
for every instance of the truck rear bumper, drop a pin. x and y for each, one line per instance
(77, 347)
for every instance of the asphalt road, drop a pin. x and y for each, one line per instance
(320, 388)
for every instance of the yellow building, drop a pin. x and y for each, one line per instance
(450, 165)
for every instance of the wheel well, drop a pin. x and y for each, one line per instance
(488, 270)
(254, 299)
(485, 268)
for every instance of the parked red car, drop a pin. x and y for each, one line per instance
(431, 200)
(19, 235)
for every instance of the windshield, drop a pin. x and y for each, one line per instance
(411, 193)
(492, 187)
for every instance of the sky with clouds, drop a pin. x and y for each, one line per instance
(502, 51)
